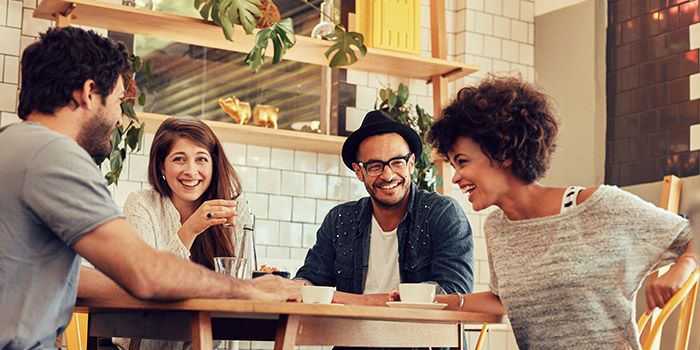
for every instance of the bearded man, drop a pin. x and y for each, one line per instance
(399, 234)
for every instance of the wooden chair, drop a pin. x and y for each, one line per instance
(685, 298)
(76, 332)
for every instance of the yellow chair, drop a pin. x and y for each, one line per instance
(685, 297)
(76, 332)
(482, 335)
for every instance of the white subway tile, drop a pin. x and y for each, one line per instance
(266, 232)
(357, 190)
(258, 156)
(694, 33)
(356, 77)
(475, 44)
(501, 27)
(425, 17)
(483, 23)
(518, 31)
(518, 69)
(2, 62)
(527, 11)
(511, 8)
(376, 80)
(347, 172)
(280, 208)
(309, 235)
(492, 47)
(304, 161)
(9, 41)
(269, 181)
(393, 82)
(292, 183)
(138, 168)
(498, 340)
(474, 221)
(694, 136)
(33, 26)
(460, 4)
(527, 55)
(425, 43)
(258, 204)
(480, 249)
(338, 188)
(530, 33)
(278, 252)
(328, 164)
(304, 210)
(426, 102)
(450, 40)
(353, 118)
(481, 287)
(315, 186)
(471, 21)
(298, 253)
(493, 7)
(366, 97)
(417, 87)
(25, 41)
(147, 142)
(122, 190)
(460, 43)
(30, 4)
(291, 236)
(248, 177)
(3, 12)
(476, 4)
(484, 274)
(450, 5)
(531, 74)
(8, 118)
(261, 251)
(235, 152)
(695, 86)
(511, 51)
(8, 97)
(14, 14)
(11, 70)
(282, 159)
(500, 66)
(323, 207)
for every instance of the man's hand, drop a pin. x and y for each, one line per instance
(276, 288)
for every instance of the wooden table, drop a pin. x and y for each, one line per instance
(288, 324)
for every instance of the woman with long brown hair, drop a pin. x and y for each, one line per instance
(195, 191)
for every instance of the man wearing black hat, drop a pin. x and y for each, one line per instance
(399, 234)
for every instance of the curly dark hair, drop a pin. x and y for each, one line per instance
(60, 63)
(509, 119)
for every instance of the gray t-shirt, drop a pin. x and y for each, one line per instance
(51, 194)
(569, 281)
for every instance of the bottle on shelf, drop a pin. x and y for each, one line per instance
(326, 25)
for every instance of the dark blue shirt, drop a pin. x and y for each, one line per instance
(434, 240)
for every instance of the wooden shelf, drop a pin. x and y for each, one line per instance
(204, 33)
(254, 135)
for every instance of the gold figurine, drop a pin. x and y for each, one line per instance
(238, 111)
(266, 116)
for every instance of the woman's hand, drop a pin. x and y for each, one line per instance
(659, 291)
(210, 213)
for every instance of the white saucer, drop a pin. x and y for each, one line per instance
(401, 304)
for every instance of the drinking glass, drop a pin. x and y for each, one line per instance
(231, 266)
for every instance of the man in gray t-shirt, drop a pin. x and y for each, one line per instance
(56, 205)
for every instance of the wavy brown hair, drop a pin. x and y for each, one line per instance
(509, 119)
(216, 240)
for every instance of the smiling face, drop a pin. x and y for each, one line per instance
(188, 170)
(388, 189)
(483, 181)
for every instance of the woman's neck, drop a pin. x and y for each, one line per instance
(531, 201)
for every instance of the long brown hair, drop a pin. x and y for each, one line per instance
(216, 240)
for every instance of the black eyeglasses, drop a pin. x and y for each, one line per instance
(376, 167)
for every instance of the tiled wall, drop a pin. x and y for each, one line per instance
(290, 191)
(649, 84)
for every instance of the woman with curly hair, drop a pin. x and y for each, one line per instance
(566, 263)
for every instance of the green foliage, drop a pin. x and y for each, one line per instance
(227, 14)
(394, 103)
(282, 36)
(130, 134)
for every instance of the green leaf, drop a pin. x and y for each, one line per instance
(142, 99)
(392, 99)
(282, 36)
(343, 50)
(247, 12)
(149, 72)
(132, 138)
(402, 94)
(128, 110)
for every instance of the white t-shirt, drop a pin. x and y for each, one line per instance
(383, 270)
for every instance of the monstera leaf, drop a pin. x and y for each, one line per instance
(282, 36)
(342, 51)
(229, 13)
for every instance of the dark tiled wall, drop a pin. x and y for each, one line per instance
(649, 113)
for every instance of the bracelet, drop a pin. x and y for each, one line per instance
(461, 301)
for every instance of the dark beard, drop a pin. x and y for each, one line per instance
(95, 136)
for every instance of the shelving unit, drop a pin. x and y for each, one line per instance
(204, 33)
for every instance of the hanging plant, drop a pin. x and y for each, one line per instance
(264, 15)
(394, 103)
(130, 134)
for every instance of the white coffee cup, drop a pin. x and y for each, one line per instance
(317, 294)
(417, 292)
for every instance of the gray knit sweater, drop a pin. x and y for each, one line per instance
(569, 281)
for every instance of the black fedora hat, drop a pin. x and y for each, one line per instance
(378, 122)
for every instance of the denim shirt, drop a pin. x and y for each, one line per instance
(434, 240)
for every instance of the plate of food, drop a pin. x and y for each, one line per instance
(264, 270)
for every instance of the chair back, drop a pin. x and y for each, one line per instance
(76, 332)
(685, 298)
